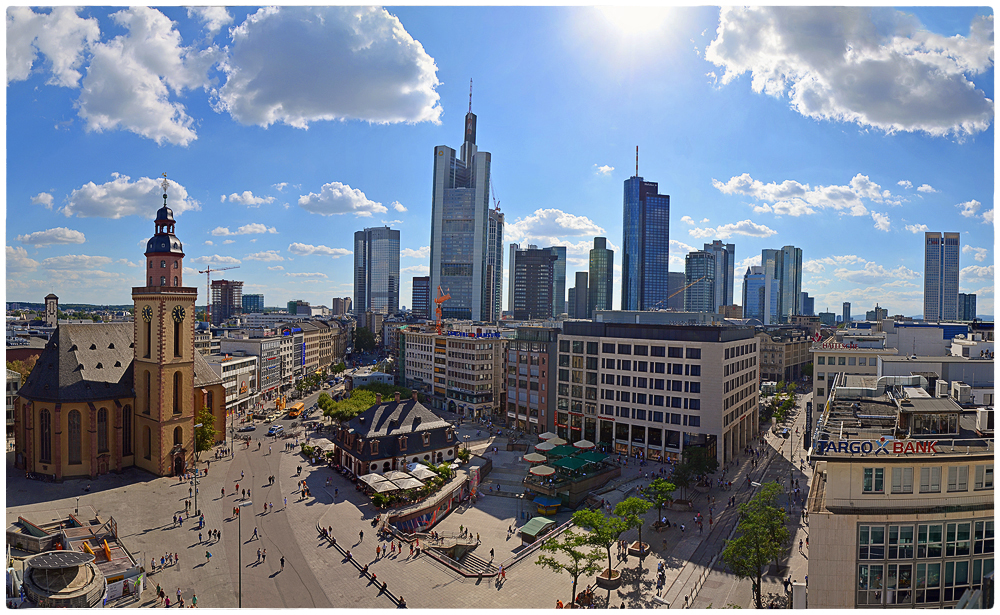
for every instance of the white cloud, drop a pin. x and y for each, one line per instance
(228, 241)
(60, 35)
(127, 262)
(253, 228)
(42, 198)
(926, 188)
(905, 183)
(247, 198)
(988, 216)
(740, 268)
(917, 228)
(280, 186)
(59, 235)
(416, 269)
(421, 252)
(976, 272)
(18, 260)
(980, 253)
(604, 169)
(130, 79)
(122, 197)
(81, 262)
(678, 250)
(874, 67)
(687, 220)
(215, 259)
(306, 275)
(546, 226)
(304, 249)
(969, 208)
(881, 221)
(818, 265)
(267, 256)
(796, 199)
(209, 242)
(873, 273)
(336, 198)
(704, 221)
(398, 206)
(391, 222)
(743, 227)
(276, 268)
(297, 65)
(214, 17)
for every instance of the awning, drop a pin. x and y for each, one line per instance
(544, 500)
(570, 463)
(548, 435)
(592, 456)
(408, 483)
(423, 472)
(556, 441)
(537, 526)
(584, 444)
(535, 458)
(562, 451)
(544, 447)
(542, 471)
(394, 475)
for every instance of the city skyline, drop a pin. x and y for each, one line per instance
(853, 184)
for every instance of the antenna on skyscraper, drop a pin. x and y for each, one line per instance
(637, 161)
(470, 95)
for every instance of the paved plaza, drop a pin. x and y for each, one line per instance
(315, 573)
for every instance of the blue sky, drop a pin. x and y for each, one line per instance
(845, 132)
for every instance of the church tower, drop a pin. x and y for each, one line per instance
(164, 354)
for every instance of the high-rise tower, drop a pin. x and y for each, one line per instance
(941, 259)
(785, 267)
(699, 273)
(376, 271)
(725, 255)
(601, 278)
(533, 273)
(645, 245)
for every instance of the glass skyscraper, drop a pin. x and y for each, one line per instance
(699, 273)
(725, 254)
(785, 266)
(559, 283)
(376, 271)
(645, 245)
(941, 252)
(760, 296)
(601, 278)
(533, 273)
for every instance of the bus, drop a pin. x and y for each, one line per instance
(296, 410)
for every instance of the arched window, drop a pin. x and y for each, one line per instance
(175, 264)
(127, 430)
(102, 430)
(177, 392)
(209, 401)
(75, 455)
(178, 436)
(150, 264)
(150, 280)
(163, 280)
(45, 446)
(149, 339)
(163, 264)
(147, 442)
(149, 392)
(175, 281)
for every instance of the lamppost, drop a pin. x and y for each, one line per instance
(196, 469)
(466, 438)
(239, 548)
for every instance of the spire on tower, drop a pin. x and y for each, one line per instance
(637, 161)
(470, 95)
(165, 184)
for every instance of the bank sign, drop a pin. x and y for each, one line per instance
(887, 446)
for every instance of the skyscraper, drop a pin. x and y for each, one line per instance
(760, 296)
(785, 266)
(808, 304)
(966, 306)
(376, 271)
(645, 245)
(227, 300)
(725, 254)
(941, 275)
(847, 312)
(253, 304)
(601, 279)
(559, 282)
(466, 234)
(675, 283)
(699, 271)
(579, 297)
(534, 273)
(421, 300)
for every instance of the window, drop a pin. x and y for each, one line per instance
(177, 392)
(930, 480)
(841, 360)
(928, 583)
(102, 430)
(45, 447)
(984, 476)
(696, 370)
(820, 376)
(694, 421)
(175, 264)
(178, 436)
(851, 361)
(592, 363)
(163, 264)
(163, 280)
(928, 541)
(177, 339)
(641, 350)
(150, 264)
(957, 538)
(563, 345)
(820, 392)
(831, 360)
(861, 361)
(821, 360)
(902, 480)
(898, 582)
(694, 353)
(873, 480)
(564, 360)
(675, 353)
(870, 583)
(175, 281)
(956, 579)
(564, 375)
(147, 442)
(577, 362)
(608, 348)
(983, 537)
(127, 430)
(578, 346)
(695, 405)
(871, 542)
(591, 347)
(657, 351)
(958, 478)
(624, 349)
(696, 387)
(900, 542)
(75, 455)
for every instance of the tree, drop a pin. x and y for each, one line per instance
(23, 367)
(364, 340)
(581, 562)
(682, 476)
(661, 493)
(700, 460)
(762, 537)
(632, 510)
(204, 436)
(603, 530)
(807, 369)
(339, 367)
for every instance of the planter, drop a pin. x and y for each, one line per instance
(609, 579)
(640, 549)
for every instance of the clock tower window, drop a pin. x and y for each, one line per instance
(175, 281)
(163, 280)
(177, 339)
(149, 338)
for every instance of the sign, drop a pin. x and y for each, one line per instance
(884, 445)
(471, 334)
(243, 388)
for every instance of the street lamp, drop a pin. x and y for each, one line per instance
(466, 437)
(196, 469)
(239, 533)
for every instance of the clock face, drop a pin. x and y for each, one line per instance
(147, 313)
(178, 313)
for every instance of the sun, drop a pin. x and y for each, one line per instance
(636, 19)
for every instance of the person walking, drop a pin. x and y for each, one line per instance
(361, 536)
(254, 534)
(378, 551)
(282, 563)
(286, 503)
(258, 554)
(263, 556)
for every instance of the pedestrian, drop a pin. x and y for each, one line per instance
(177, 559)
(178, 594)
(286, 503)
(282, 562)
(194, 601)
(167, 602)
(254, 534)
(491, 553)
(163, 561)
(258, 554)
(378, 551)
(361, 535)
(152, 564)
(263, 556)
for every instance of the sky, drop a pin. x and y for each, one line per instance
(846, 132)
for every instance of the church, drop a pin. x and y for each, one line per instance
(104, 397)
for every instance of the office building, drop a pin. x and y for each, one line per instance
(227, 300)
(253, 303)
(676, 281)
(341, 306)
(725, 254)
(299, 308)
(807, 305)
(877, 315)
(845, 354)
(699, 273)
(847, 313)
(559, 281)
(579, 297)
(760, 296)
(533, 275)
(785, 267)
(531, 379)
(941, 266)
(731, 311)
(783, 354)
(421, 301)
(466, 234)
(650, 391)
(239, 377)
(601, 278)
(376, 271)
(828, 318)
(966, 306)
(645, 246)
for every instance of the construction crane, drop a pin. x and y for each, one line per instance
(673, 294)
(441, 298)
(208, 290)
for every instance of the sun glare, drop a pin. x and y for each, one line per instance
(636, 19)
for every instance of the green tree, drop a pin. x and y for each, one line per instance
(339, 367)
(364, 340)
(604, 530)
(700, 460)
(682, 476)
(582, 562)
(661, 492)
(762, 537)
(464, 454)
(204, 436)
(807, 369)
(632, 510)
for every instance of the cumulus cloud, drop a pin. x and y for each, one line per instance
(82, 262)
(42, 198)
(304, 249)
(214, 17)
(123, 197)
(881, 221)
(969, 208)
(873, 273)
(422, 252)
(18, 260)
(215, 259)
(988, 216)
(546, 226)
(306, 275)
(917, 228)
(362, 64)
(926, 188)
(873, 67)
(254, 228)
(743, 227)
(247, 198)
(130, 79)
(336, 198)
(266, 256)
(228, 241)
(280, 186)
(976, 272)
(398, 206)
(796, 199)
(980, 253)
(687, 220)
(905, 183)
(416, 269)
(209, 242)
(276, 268)
(603, 169)
(60, 35)
(740, 268)
(818, 265)
(58, 235)
(127, 262)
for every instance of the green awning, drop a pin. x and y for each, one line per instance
(563, 450)
(592, 456)
(570, 463)
(537, 526)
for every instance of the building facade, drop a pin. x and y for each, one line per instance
(941, 267)
(253, 303)
(784, 266)
(808, 305)
(699, 274)
(760, 296)
(376, 270)
(725, 255)
(783, 354)
(268, 353)
(531, 379)
(227, 300)
(341, 306)
(533, 276)
(421, 301)
(600, 281)
(676, 281)
(854, 355)
(559, 281)
(579, 297)
(645, 245)
(239, 378)
(966, 306)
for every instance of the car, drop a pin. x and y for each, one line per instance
(248, 428)
(275, 430)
